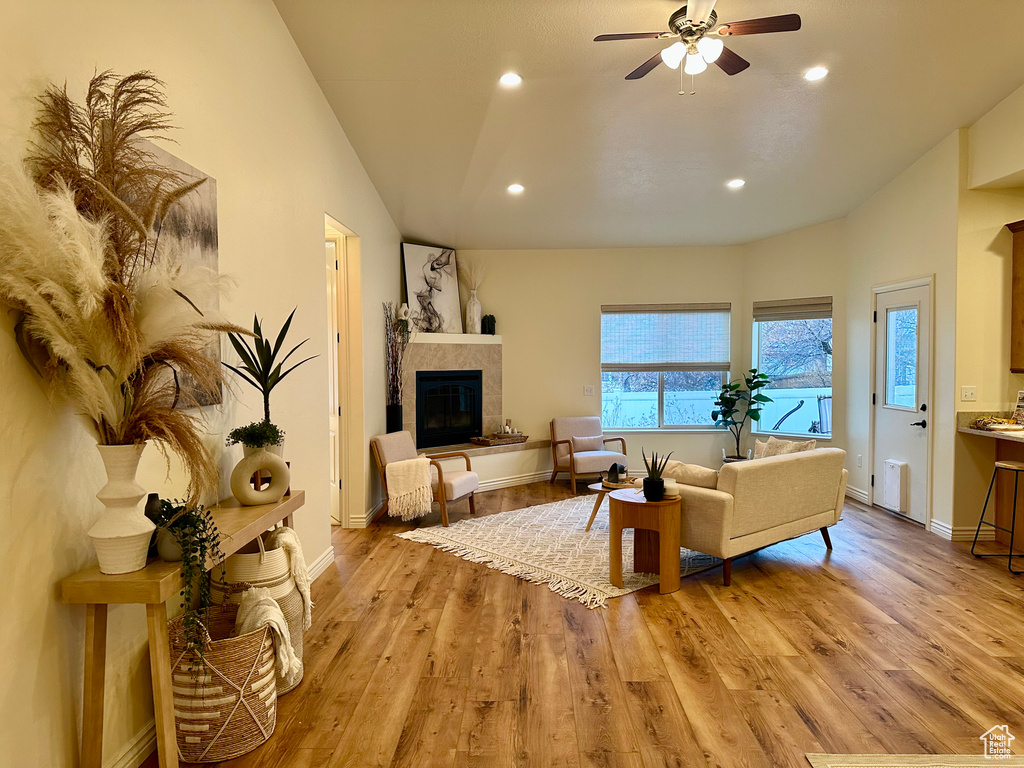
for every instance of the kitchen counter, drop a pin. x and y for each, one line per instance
(1016, 437)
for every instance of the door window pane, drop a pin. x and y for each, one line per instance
(901, 357)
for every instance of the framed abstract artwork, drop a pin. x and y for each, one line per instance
(432, 288)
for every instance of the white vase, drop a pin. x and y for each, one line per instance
(472, 313)
(122, 534)
(260, 460)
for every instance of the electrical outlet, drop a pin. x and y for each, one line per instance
(860, 460)
(588, 390)
(968, 394)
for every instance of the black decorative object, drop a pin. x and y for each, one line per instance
(654, 489)
(488, 325)
(654, 485)
(394, 418)
(616, 473)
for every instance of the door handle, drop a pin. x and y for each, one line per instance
(922, 423)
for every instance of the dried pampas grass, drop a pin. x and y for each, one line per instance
(472, 272)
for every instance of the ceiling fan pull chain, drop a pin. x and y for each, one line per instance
(693, 90)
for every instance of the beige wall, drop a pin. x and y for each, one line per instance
(996, 145)
(252, 116)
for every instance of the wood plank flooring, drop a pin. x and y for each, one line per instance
(896, 641)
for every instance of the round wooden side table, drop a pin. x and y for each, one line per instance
(655, 527)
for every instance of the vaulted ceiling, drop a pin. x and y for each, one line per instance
(609, 163)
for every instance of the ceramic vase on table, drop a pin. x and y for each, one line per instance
(260, 460)
(473, 313)
(122, 534)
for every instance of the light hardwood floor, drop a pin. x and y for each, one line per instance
(895, 642)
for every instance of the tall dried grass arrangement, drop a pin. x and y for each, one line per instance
(118, 323)
(472, 272)
(395, 342)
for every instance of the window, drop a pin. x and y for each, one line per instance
(662, 365)
(793, 347)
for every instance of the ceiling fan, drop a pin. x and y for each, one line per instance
(696, 25)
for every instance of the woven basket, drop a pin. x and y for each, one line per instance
(229, 705)
(268, 568)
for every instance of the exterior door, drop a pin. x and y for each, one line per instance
(334, 246)
(902, 399)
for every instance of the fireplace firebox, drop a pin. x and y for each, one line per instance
(449, 407)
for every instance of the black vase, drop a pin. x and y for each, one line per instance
(394, 418)
(654, 489)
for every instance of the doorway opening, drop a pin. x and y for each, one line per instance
(345, 375)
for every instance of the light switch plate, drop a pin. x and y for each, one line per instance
(968, 394)
(588, 390)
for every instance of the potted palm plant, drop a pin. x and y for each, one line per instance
(740, 402)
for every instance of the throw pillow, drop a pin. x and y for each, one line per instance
(759, 446)
(595, 443)
(776, 447)
(691, 474)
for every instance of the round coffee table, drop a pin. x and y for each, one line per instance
(655, 527)
(602, 491)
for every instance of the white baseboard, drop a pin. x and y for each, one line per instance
(857, 494)
(508, 482)
(370, 514)
(961, 532)
(321, 564)
(138, 749)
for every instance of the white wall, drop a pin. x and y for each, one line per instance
(251, 116)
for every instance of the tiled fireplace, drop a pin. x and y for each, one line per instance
(456, 356)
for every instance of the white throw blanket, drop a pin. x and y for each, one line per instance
(256, 609)
(409, 493)
(287, 539)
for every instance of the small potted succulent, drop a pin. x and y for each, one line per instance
(654, 485)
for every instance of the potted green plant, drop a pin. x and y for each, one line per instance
(259, 434)
(654, 485)
(188, 533)
(740, 401)
(259, 365)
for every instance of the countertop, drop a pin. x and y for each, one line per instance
(1014, 437)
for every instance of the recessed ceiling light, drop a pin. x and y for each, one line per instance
(735, 183)
(515, 189)
(510, 79)
(815, 73)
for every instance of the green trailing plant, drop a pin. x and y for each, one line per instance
(259, 364)
(741, 401)
(256, 435)
(195, 530)
(656, 465)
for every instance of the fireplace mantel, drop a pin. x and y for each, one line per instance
(454, 338)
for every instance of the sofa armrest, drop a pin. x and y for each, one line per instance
(706, 519)
(841, 499)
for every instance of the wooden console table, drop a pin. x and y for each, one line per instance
(655, 527)
(153, 586)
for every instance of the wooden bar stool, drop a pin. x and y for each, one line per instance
(1009, 466)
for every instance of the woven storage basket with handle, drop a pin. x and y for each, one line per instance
(268, 568)
(228, 705)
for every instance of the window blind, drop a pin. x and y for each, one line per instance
(818, 307)
(669, 337)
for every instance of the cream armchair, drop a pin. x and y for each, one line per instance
(763, 502)
(593, 459)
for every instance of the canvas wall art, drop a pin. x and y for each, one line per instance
(190, 231)
(432, 289)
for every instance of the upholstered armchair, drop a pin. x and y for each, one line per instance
(579, 447)
(447, 484)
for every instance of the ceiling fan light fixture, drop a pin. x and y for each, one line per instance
(695, 64)
(815, 73)
(515, 189)
(735, 184)
(673, 55)
(710, 48)
(510, 79)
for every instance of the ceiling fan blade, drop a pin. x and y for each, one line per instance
(646, 67)
(787, 23)
(731, 62)
(699, 11)
(629, 36)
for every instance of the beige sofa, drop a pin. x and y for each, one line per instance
(762, 502)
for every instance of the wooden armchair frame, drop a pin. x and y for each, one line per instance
(571, 469)
(439, 494)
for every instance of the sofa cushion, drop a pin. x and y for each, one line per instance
(691, 474)
(457, 483)
(589, 462)
(595, 443)
(775, 447)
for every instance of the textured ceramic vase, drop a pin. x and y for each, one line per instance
(260, 460)
(122, 534)
(472, 313)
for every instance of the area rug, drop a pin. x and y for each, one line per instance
(911, 761)
(548, 544)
